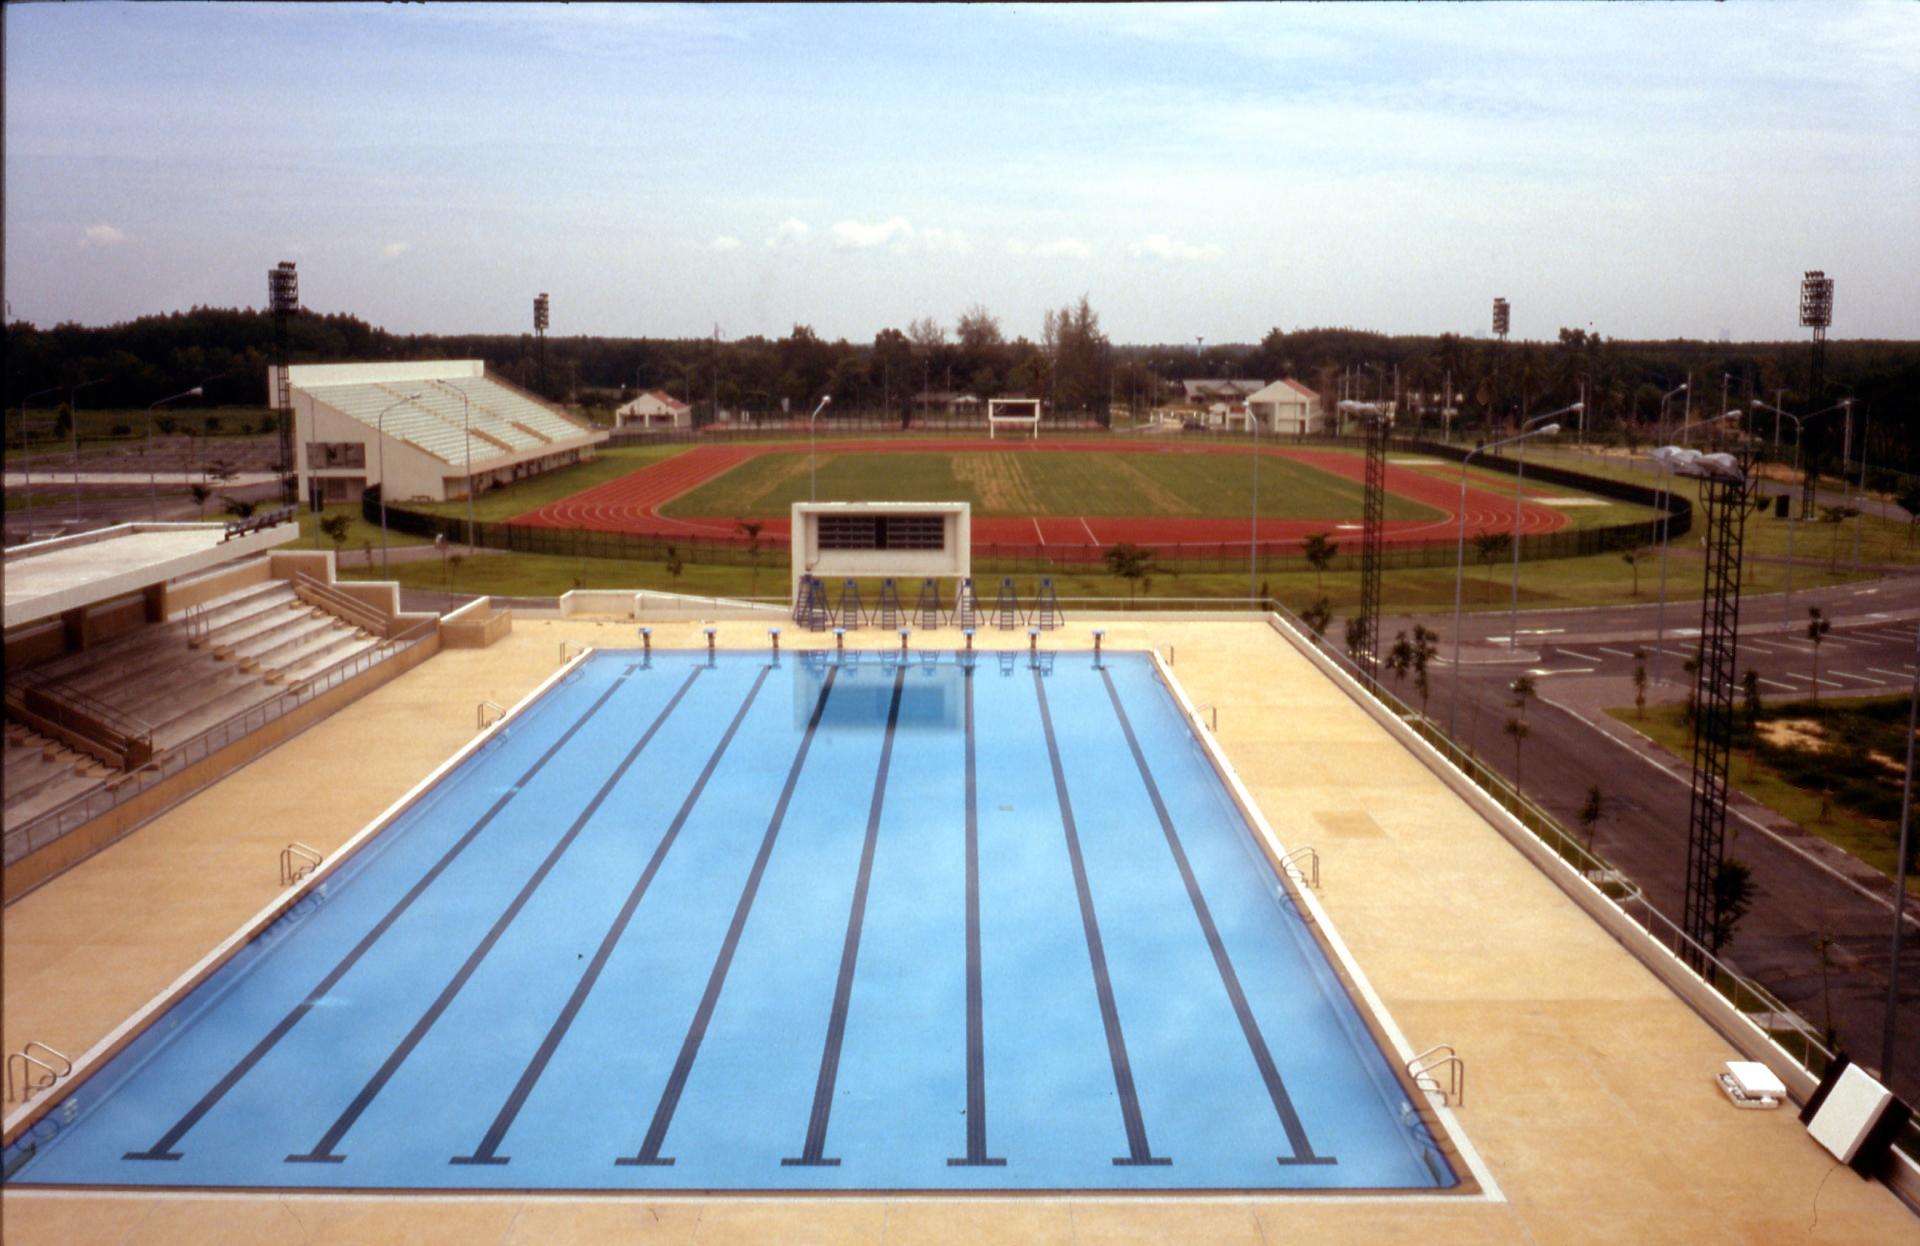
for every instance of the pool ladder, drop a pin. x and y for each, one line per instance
(481, 711)
(1425, 1070)
(297, 860)
(1303, 866)
(29, 1083)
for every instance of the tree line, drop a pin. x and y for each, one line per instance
(1070, 363)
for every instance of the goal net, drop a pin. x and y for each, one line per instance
(1018, 415)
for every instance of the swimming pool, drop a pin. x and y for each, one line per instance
(692, 922)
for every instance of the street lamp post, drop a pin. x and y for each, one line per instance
(813, 466)
(1666, 464)
(1253, 539)
(153, 487)
(1519, 471)
(1889, 1032)
(73, 429)
(1460, 564)
(1799, 426)
(466, 427)
(1664, 399)
(26, 456)
(381, 424)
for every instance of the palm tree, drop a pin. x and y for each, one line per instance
(1488, 547)
(1640, 683)
(1633, 558)
(1750, 710)
(1818, 625)
(1133, 564)
(1590, 813)
(750, 528)
(1732, 897)
(1317, 616)
(1518, 729)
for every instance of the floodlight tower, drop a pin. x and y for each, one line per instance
(283, 300)
(1502, 321)
(540, 318)
(1816, 313)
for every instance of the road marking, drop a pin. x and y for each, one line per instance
(1685, 777)
(1767, 646)
(1565, 670)
(1845, 675)
(1774, 683)
(1575, 653)
(1618, 653)
(1895, 674)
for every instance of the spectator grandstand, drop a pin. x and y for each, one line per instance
(438, 429)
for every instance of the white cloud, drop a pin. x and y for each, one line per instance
(724, 243)
(394, 250)
(1063, 247)
(898, 235)
(102, 236)
(894, 232)
(789, 233)
(1161, 246)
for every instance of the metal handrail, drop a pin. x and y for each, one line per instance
(26, 1062)
(1440, 1056)
(88, 805)
(291, 857)
(1302, 865)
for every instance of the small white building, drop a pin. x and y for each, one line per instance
(654, 409)
(1287, 406)
(431, 430)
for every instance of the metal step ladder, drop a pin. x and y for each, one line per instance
(1006, 606)
(850, 615)
(966, 606)
(887, 611)
(926, 612)
(1046, 606)
(811, 611)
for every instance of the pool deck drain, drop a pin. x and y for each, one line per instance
(1592, 1102)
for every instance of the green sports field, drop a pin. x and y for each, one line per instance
(999, 483)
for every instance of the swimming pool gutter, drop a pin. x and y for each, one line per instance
(1450, 1138)
(97, 1056)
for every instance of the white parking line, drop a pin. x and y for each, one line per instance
(1774, 683)
(1584, 657)
(1845, 675)
(1896, 674)
(1618, 653)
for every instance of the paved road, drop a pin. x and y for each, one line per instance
(1582, 663)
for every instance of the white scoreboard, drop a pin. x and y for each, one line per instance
(906, 540)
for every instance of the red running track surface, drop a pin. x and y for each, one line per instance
(632, 503)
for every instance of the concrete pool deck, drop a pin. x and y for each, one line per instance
(1590, 1096)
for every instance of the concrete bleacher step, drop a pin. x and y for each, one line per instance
(179, 673)
(248, 638)
(214, 712)
(304, 667)
(266, 650)
(51, 796)
(222, 613)
(183, 696)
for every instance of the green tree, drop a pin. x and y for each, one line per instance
(1818, 625)
(1640, 683)
(239, 508)
(1357, 634)
(1750, 710)
(1732, 898)
(1836, 517)
(201, 493)
(1633, 558)
(1909, 500)
(675, 565)
(1320, 550)
(1489, 547)
(750, 528)
(1081, 359)
(1590, 814)
(1519, 730)
(1133, 564)
(1316, 616)
(1426, 647)
(337, 527)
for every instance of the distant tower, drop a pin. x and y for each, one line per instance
(1816, 313)
(540, 318)
(283, 300)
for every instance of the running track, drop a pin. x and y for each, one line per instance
(632, 503)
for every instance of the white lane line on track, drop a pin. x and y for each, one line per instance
(1041, 536)
(1091, 539)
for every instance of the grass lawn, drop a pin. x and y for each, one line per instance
(1042, 484)
(1833, 767)
(361, 535)
(98, 427)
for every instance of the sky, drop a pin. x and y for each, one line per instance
(1197, 171)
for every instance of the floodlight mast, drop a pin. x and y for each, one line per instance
(283, 300)
(813, 479)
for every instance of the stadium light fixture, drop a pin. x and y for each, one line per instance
(1670, 460)
(1460, 563)
(1520, 468)
(813, 465)
(381, 424)
(153, 487)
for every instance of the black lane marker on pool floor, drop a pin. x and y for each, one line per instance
(497, 1132)
(1256, 1042)
(649, 1155)
(163, 1149)
(812, 1152)
(1138, 1152)
(323, 1152)
(976, 1156)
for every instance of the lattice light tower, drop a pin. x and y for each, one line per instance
(1502, 321)
(1816, 313)
(283, 300)
(1725, 487)
(540, 318)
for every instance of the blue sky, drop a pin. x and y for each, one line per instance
(1644, 170)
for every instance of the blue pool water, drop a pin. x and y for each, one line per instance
(733, 924)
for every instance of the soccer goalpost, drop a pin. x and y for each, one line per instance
(1015, 413)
